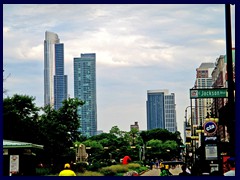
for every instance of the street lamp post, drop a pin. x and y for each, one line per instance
(194, 137)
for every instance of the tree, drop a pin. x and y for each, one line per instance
(155, 149)
(116, 131)
(134, 134)
(20, 117)
(161, 134)
(56, 130)
(59, 128)
(4, 79)
(68, 115)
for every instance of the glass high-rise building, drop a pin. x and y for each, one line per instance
(49, 66)
(60, 80)
(55, 82)
(85, 89)
(161, 110)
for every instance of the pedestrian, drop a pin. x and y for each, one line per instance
(67, 171)
(156, 163)
(184, 171)
(231, 165)
(151, 164)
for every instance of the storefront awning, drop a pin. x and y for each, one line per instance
(7, 144)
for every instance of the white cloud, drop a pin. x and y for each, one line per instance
(138, 47)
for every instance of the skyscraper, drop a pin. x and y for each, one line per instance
(60, 80)
(85, 89)
(203, 81)
(49, 62)
(161, 110)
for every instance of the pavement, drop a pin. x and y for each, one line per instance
(152, 172)
(156, 172)
(176, 170)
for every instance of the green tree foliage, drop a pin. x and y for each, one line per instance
(161, 134)
(55, 129)
(170, 143)
(96, 150)
(60, 128)
(20, 117)
(116, 131)
(69, 117)
(93, 144)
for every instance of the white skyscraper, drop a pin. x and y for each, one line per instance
(49, 66)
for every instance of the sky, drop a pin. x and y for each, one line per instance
(138, 47)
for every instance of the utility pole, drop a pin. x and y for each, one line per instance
(231, 104)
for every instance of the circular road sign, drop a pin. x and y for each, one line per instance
(210, 128)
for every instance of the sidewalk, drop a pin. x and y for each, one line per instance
(156, 172)
(152, 172)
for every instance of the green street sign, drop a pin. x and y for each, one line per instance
(208, 93)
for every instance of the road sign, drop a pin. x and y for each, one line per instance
(208, 93)
(210, 127)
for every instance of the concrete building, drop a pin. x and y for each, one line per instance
(203, 81)
(134, 126)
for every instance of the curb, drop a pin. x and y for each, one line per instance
(143, 172)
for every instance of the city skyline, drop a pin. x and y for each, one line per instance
(138, 48)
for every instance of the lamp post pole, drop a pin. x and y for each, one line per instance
(231, 105)
(193, 138)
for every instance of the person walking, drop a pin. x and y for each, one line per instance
(67, 171)
(231, 165)
(184, 171)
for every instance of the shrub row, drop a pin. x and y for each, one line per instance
(119, 170)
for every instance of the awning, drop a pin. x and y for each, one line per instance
(7, 144)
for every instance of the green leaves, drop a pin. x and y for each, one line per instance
(55, 129)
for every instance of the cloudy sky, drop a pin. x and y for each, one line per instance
(138, 48)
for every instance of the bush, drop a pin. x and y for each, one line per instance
(95, 166)
(107, 171)
(90, 173)
(141, 169)
(133, 165)
(42, 171)
(114, 170)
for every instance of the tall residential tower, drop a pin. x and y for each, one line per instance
(85, 89)
(60, 80)
(161, 110)
(55, 82)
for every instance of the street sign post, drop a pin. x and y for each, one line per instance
(209, 93)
